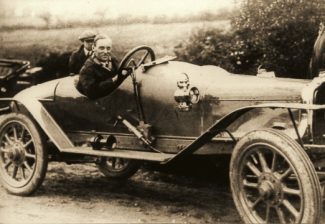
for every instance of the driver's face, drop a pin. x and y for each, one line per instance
(102, 49)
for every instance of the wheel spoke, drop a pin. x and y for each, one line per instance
(267, 216)
(8, 139)
(286, 173)
(265, 167)
(287, 190)
(253, 168)
(291, 209)
(254, 159)
(22, 132)
(31, 156)
(120, 163)
(131, 61)
(7, 164)
(27, 143)
(143, 58)
(273, 162)
(280, 215)
(23, 172)
(4, 150)
(114, 163)
(249, 184)
(14, 173)
(15, 133)
(256, 202)
(28, 166)
(117, 163)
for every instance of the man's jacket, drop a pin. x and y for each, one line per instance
(77, 60)
(95, 80)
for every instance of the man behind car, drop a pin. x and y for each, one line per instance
(78, 57)
(98, 77)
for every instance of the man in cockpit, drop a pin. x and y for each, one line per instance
(98, 77)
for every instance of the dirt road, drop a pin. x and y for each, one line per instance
(81, 194)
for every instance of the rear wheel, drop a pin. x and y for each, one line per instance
(118, 168)
(23, 157)
(273, 180)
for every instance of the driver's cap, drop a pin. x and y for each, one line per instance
(103, 36)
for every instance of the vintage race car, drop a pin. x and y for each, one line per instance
(166, 110)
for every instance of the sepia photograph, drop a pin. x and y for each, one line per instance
(155, 111)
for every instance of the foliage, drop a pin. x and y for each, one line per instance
(283, 30)
(277, 34)
(217, 47)
(206, 46)
(46, 20)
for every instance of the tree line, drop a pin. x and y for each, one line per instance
(276, 34)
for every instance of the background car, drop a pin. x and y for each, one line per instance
(16, 75)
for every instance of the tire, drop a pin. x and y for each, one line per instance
(23, 155)
(118, 168)
(273, 180)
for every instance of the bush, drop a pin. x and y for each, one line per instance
(284, 32)
(217, 47)
(278, 34)
(206, 46)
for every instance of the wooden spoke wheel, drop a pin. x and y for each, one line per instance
(118, 168)
(273, 180)
(23, 158)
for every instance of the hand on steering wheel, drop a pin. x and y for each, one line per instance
(134, 58)
(126, 71)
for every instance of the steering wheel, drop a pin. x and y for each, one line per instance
(136, 57)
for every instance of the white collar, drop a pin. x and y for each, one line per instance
(86, 51)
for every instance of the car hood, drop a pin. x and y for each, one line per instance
(248, 87)
(215, 82)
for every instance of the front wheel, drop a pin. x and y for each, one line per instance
(118, 168)
(273, 180)
(23, 156)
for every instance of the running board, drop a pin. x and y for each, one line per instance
(119, 153)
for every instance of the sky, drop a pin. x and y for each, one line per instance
(112, 8)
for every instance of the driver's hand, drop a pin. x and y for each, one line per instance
(126, 72)
(115, 78)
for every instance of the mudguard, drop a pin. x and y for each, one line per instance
(222, 124)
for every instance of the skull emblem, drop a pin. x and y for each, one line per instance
(183, 81)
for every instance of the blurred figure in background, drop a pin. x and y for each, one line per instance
(78, 57)
(317, 62)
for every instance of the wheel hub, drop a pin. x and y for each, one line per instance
(16, 153)
(270, 189)
(266, 189)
